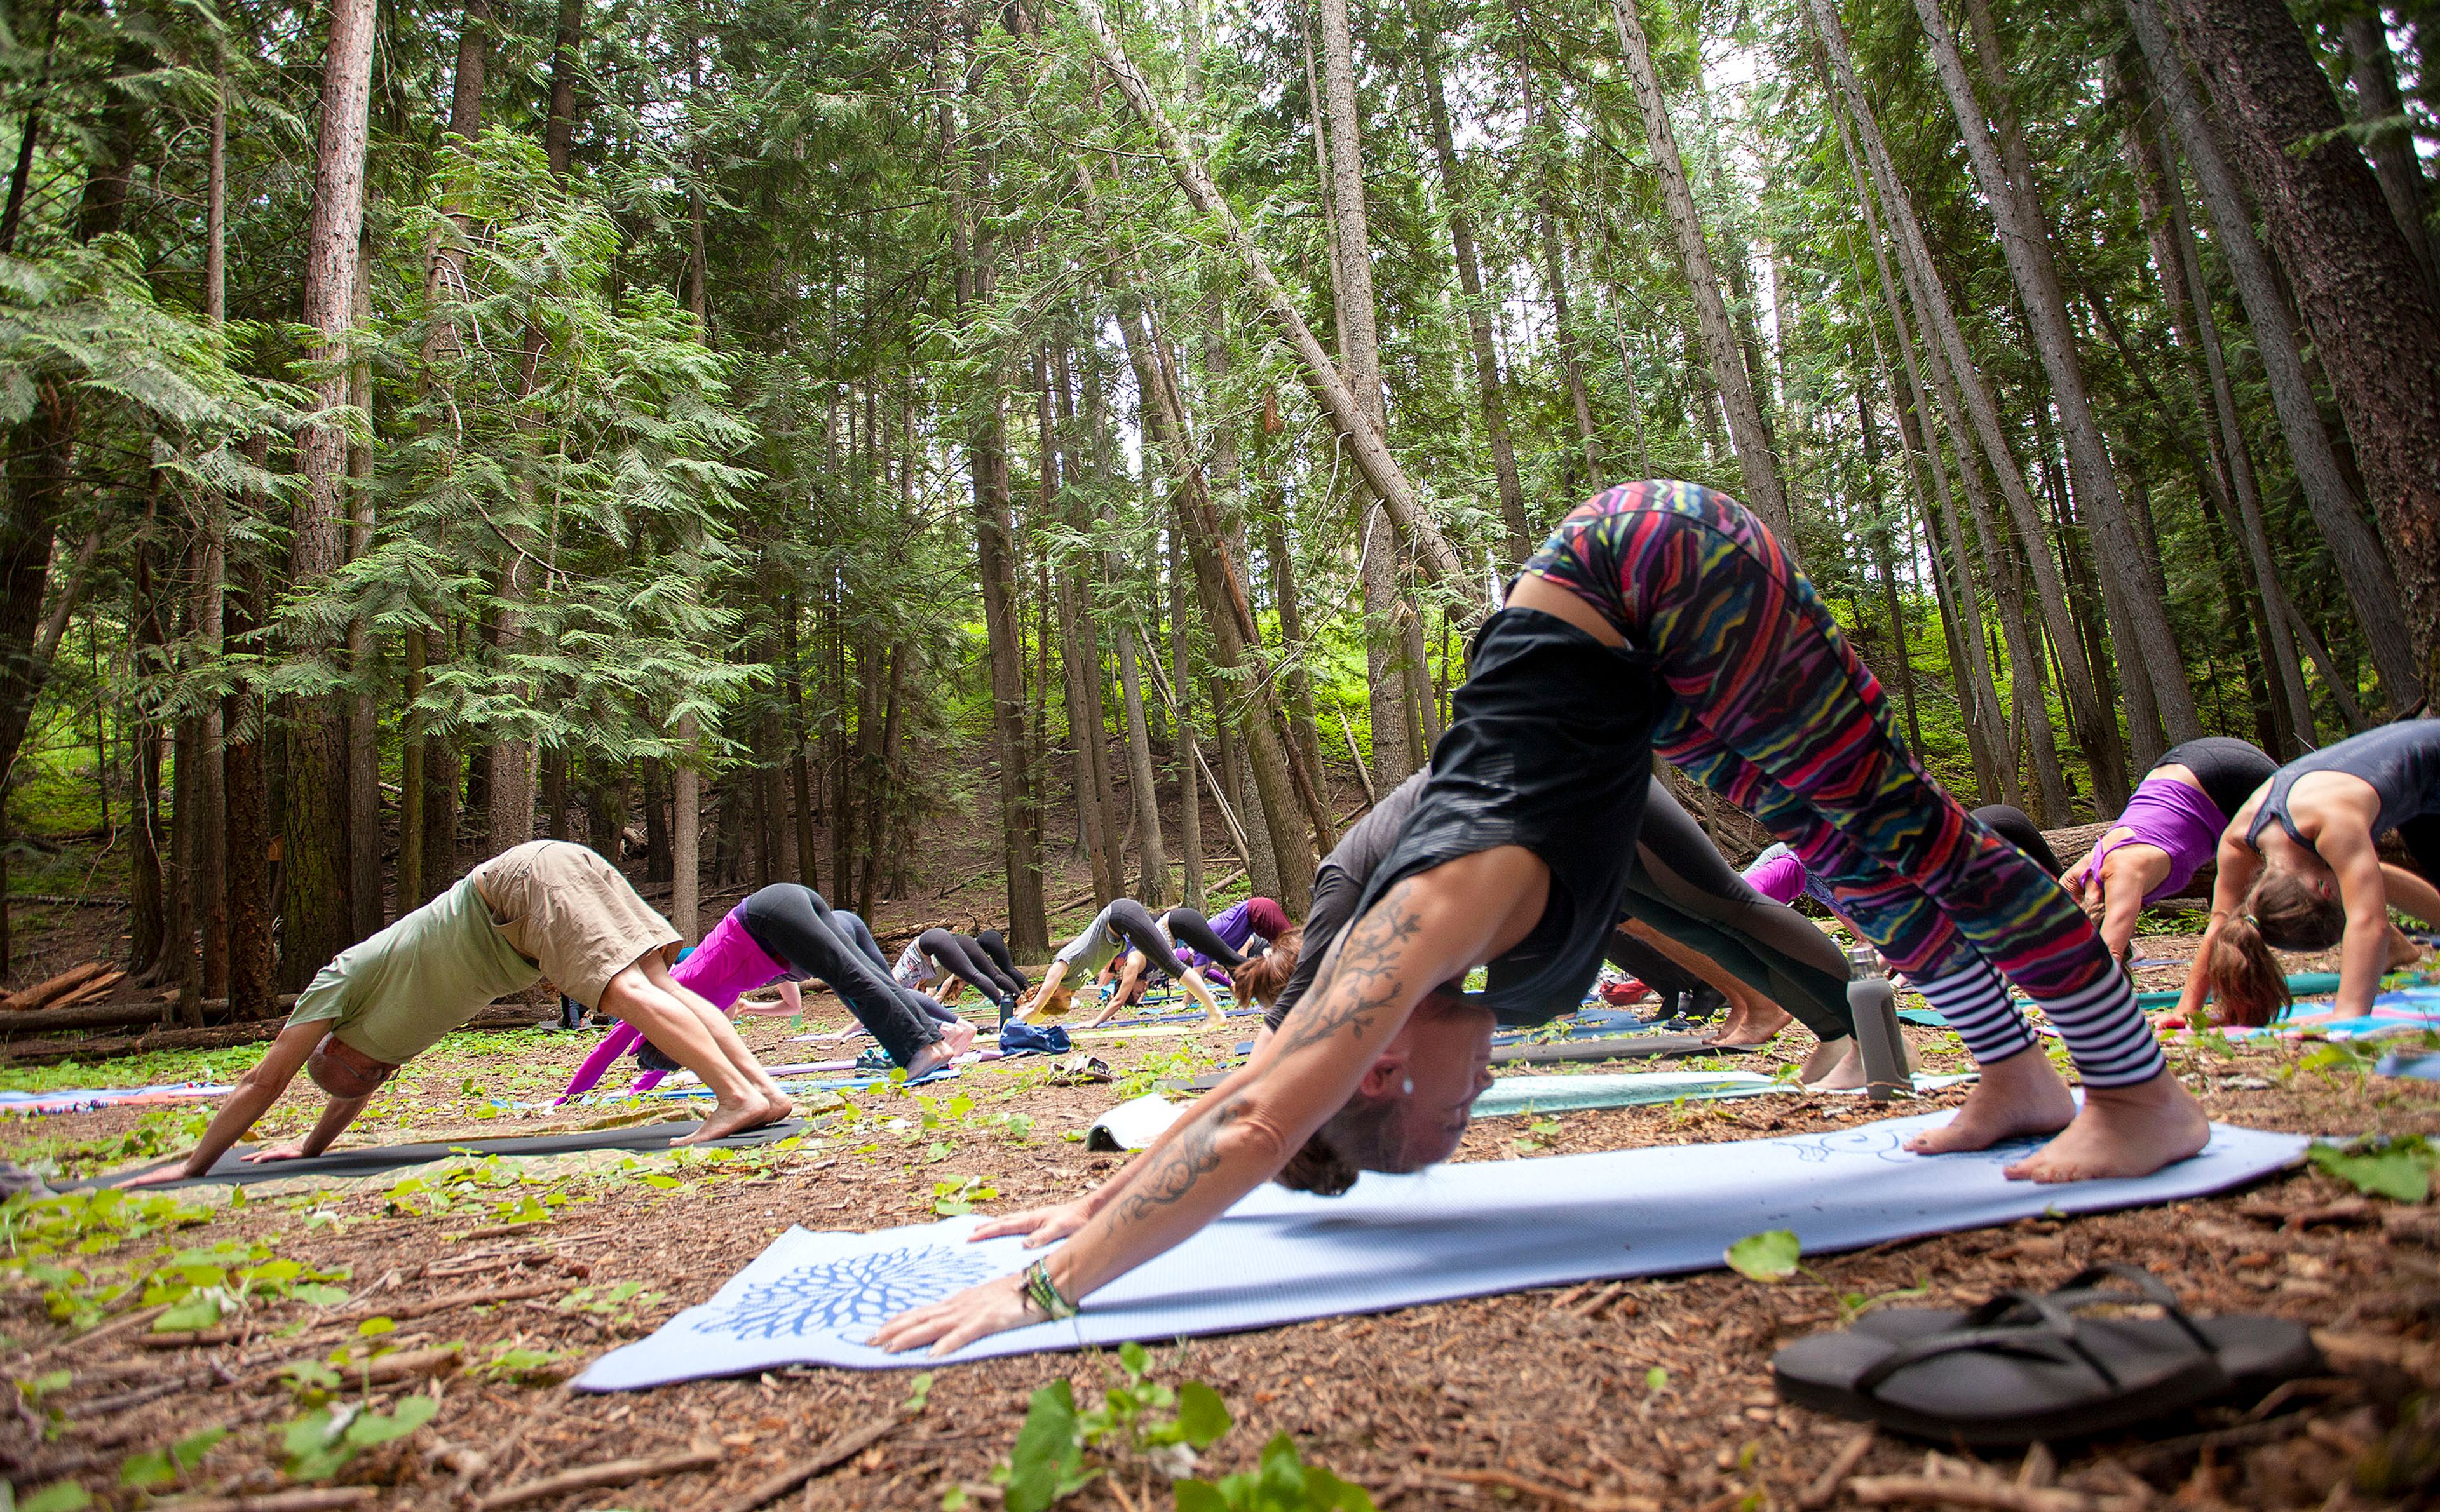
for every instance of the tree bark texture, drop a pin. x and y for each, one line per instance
(317, 919)
(2374, 322)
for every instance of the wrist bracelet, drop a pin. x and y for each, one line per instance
(1045, 1293)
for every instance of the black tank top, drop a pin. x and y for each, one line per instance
(2402, 761)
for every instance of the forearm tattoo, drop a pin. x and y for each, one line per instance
(1195, 1153)
(1369, 976)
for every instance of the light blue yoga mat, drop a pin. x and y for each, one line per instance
(1469, 1229)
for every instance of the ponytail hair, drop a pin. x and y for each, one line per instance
(2247, 984)
(1262, 979)
(2283, 910)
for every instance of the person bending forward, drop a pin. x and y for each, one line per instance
(1516, 858)
(544, 909)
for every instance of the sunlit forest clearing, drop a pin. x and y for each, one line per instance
(982, 462)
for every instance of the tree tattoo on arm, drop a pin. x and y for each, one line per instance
(1370, 975)
(1195, 1154)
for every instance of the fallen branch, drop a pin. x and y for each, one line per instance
(1559, 1495)
(56, 987)
(841, 1449)
(1986, 1496)
(596, 1476)
(1825, 1489)
(303, 1499)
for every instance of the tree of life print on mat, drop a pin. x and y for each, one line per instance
(830, 1296)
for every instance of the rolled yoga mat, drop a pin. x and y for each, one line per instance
(1469, 1229)
(376, 1160)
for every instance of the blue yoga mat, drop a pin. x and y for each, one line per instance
(1470, 1229)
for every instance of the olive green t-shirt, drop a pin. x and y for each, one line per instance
(394, 995)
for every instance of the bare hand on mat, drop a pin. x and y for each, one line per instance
(293, 1149)
(952, 1324)
(1040, 1225)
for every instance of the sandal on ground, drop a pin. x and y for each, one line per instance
(2257, 1353)
(2020, 1369)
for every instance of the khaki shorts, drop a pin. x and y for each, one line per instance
(569, 911)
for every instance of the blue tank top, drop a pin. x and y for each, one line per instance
(2402, 761)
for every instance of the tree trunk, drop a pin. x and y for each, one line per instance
(1964, 393)
(1478, 315)
(1190, 801)
(1292, 641)
(2138, 620)
(1885, 563)
(1763, 489)
(2363, 299)
(800, 778)
(151, 864)
(209, 822)
(987, 460)
(1152, 872)
(1437, 559)
(318, 915)
(1386, 678)
(686, 834)
(411, 811)
(364, 647)
(249, 821)
(2394, 158)
(558, 130)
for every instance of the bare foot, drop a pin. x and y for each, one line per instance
(1748, 1028)
(1835, 1066)
(735, 1118)
(953, 1041)
(2017, 1097)
(2123, 1132)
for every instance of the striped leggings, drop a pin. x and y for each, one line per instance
(1775, 713)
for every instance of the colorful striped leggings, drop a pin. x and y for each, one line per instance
(1775, 713)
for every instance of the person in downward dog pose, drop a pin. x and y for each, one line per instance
(2315, 879)
(945, 955)
(785, 933)
(1659, 614)
(1247, 929)
(1689, 924)
(2168, 830)
(1201, 943)
(1124, 926)
(544, 909)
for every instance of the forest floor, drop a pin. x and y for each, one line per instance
(1651, 1394)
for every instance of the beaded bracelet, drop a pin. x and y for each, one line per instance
(1045, 1293)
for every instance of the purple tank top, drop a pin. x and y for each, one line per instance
(2179, 819)
(727, 965)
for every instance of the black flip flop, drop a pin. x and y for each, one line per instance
(2257, 1353)
(2018, 1369)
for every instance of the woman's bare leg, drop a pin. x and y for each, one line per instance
(702, 1039)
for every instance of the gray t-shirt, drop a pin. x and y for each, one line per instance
(1338, 881)
(1093, 950)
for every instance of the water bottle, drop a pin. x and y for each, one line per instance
(1874, 1005)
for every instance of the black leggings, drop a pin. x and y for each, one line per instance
(2017, 829)
(1647, 964)
(991, 945)
(1133, 925)
(1195, 931)
(962, 957)
(794, 927)
(858, 934)
(1685, 889)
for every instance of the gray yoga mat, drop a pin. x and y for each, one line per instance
(1625, 1047)
(375, 1160)
(1470, 1229)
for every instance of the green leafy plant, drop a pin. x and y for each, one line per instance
(958, 1199)
(1140, 1423)
(1538, 1136)
(2399, 1169)
(1769, 1256)
(321, 1442)
(60, 1496)
(161, 1466)
(526, 1367)
(1284, 1483)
